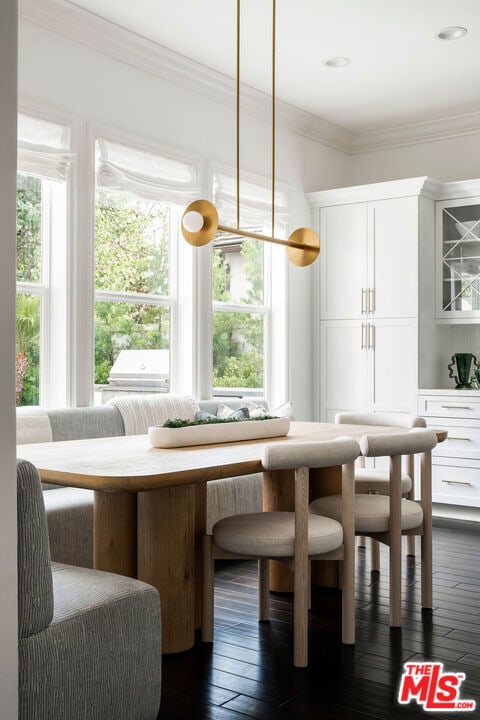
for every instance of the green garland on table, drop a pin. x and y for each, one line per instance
(177, 423)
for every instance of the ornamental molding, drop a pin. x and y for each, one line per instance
(81, 26)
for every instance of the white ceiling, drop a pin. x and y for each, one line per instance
(399, 72)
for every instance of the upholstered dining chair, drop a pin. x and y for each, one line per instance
(376, 480)
(387, 518)
(89, 642)
(293, 537)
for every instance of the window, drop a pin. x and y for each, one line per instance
(241, 288)
(43, 161)
(137, 208)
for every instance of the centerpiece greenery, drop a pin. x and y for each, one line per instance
(177, 423)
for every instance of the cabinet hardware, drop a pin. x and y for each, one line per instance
(371, 336)
(363, 345)
(456, 407)
(457, 482)
(364, 298)
(371, 300)
(457, 437)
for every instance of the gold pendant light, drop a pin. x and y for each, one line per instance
(200, 219)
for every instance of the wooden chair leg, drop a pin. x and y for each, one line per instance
(208, 584)
(375, 555)
(395, 532)
(301, 573)
(411, 496)
(347, 567)
(362, 542)
(263, 589)
(426, 542)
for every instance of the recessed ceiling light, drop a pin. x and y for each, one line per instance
(337, 62)
(451, 33)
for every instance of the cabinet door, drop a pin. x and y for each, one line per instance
(458, 259)
(343, 261)
(343, 360)
(393, 365)
(393, 258)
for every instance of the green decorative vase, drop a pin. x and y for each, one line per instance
(463, 365)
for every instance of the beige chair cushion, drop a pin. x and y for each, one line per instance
(372, 512)
(369, 480)
(271, 534)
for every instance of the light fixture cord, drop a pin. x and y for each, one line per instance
(238, 113)
(274, 14)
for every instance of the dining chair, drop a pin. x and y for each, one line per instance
(292, 537)
(376, 480)
(387, 518)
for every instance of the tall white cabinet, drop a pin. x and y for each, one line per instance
(374, 241)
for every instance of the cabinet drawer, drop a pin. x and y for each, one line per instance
(463, 438)
(450, 407)
(457, 484)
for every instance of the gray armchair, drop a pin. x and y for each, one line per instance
(89, 641)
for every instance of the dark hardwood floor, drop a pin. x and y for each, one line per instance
(248, 671)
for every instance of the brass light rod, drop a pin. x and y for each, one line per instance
(200, 219)
(258, 236)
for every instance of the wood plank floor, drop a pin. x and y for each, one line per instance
(248, 672)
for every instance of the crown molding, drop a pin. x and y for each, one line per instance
(83, 27)
(416, 133)
(375, 191)
(86, 28)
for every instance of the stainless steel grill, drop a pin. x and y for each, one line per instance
(141, 368)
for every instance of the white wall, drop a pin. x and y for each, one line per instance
(446, 160)
(8, 514)
(90, 86)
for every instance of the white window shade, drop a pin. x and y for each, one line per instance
(147, 175)
(43, 148)
(255, 201)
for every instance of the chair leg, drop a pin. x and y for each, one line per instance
(375, 555)
(395, 532)
(411, 496)
(426, 542)
(301, 570)
(208, 584)
(263, 589)
(347, 566)
(362, 542)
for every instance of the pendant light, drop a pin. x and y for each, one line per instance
(200, 219)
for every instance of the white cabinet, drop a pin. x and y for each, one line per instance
(368, 365)
(369, 259)
(368, 299)
(456, 461)
(458, 259)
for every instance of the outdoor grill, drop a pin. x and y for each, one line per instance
(141, 368)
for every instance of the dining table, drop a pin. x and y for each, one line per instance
(150, 505)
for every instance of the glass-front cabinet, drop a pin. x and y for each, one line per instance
(458, 259)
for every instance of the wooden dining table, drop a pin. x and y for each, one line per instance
(150, 506)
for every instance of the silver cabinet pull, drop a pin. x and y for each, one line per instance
(363, 345)
(457, 437)
(371, 300)
(457, 482)
(371, 336)
(456, 407)
(364, 298)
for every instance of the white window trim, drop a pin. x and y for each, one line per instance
(52, 289)
(276, 365)
(182, 280)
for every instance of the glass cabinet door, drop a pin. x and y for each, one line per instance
(459, 256)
